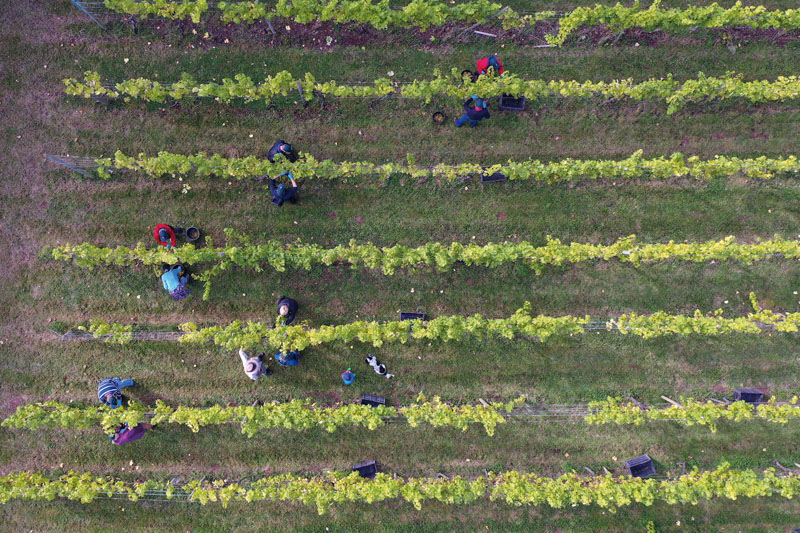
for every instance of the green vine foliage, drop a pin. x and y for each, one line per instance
(675, 94)
(297, 415)
(377, 13)
(302, 415)
(241, 252)
(522, 323)
(635, 167)
(513, 488)
(691, 412)
(114, 333)
(426, 13)
(619, 18)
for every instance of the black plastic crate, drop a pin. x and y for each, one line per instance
(492, 178)
(748, 395)
(372, 400)
(641, 466)
(511, 103)
(367, 470)
(411, 316)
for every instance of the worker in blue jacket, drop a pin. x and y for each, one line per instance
(281, 193)
(475, 110)
(174, 280)
(282, 148)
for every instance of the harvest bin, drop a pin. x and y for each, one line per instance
(641, 466)
(192, 234)
(510, 103)
(748, 395)
(367, 470)
(372, 400)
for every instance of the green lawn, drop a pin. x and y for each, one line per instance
(44, 205)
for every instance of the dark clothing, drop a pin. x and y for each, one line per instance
(289, 194)
(472, 113)
(292, 304)
(276, 150)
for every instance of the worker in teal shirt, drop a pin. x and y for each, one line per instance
(174, 280)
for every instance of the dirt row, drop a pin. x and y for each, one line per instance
(326, 35)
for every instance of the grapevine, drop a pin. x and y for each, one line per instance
(419, 13)
(241, 252)
(691, 412)
(302, 415)
(426, 13)
(619, 18)
(307, 167)
(298, 415)
(512, 487)
(456, 327)
(674, 93)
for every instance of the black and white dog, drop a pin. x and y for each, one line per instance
(378, 367)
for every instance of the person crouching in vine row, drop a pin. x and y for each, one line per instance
(287, 308)
(492, 62)
(281, 193)
(475, 110)
(174, 279)
(254, 367)
(282, 148)
(109, 391)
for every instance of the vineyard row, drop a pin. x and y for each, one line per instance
(426, 13)
(512, 487)
(302, 415)
(676, 94)
(243, 335)
(634, 167)
(241, 252)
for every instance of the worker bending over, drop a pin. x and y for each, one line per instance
(174, 280)
(165, 235)
(109, 391)
(282, 148)
(287, 308)
(254, 367)
(483, 66)
(291, 358)
(281, 193)
(475, 110)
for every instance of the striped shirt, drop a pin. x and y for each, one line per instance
(104, 387)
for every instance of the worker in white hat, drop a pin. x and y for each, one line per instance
(254, 367)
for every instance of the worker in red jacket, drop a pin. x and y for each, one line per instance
(491, 61)
(165, 235)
